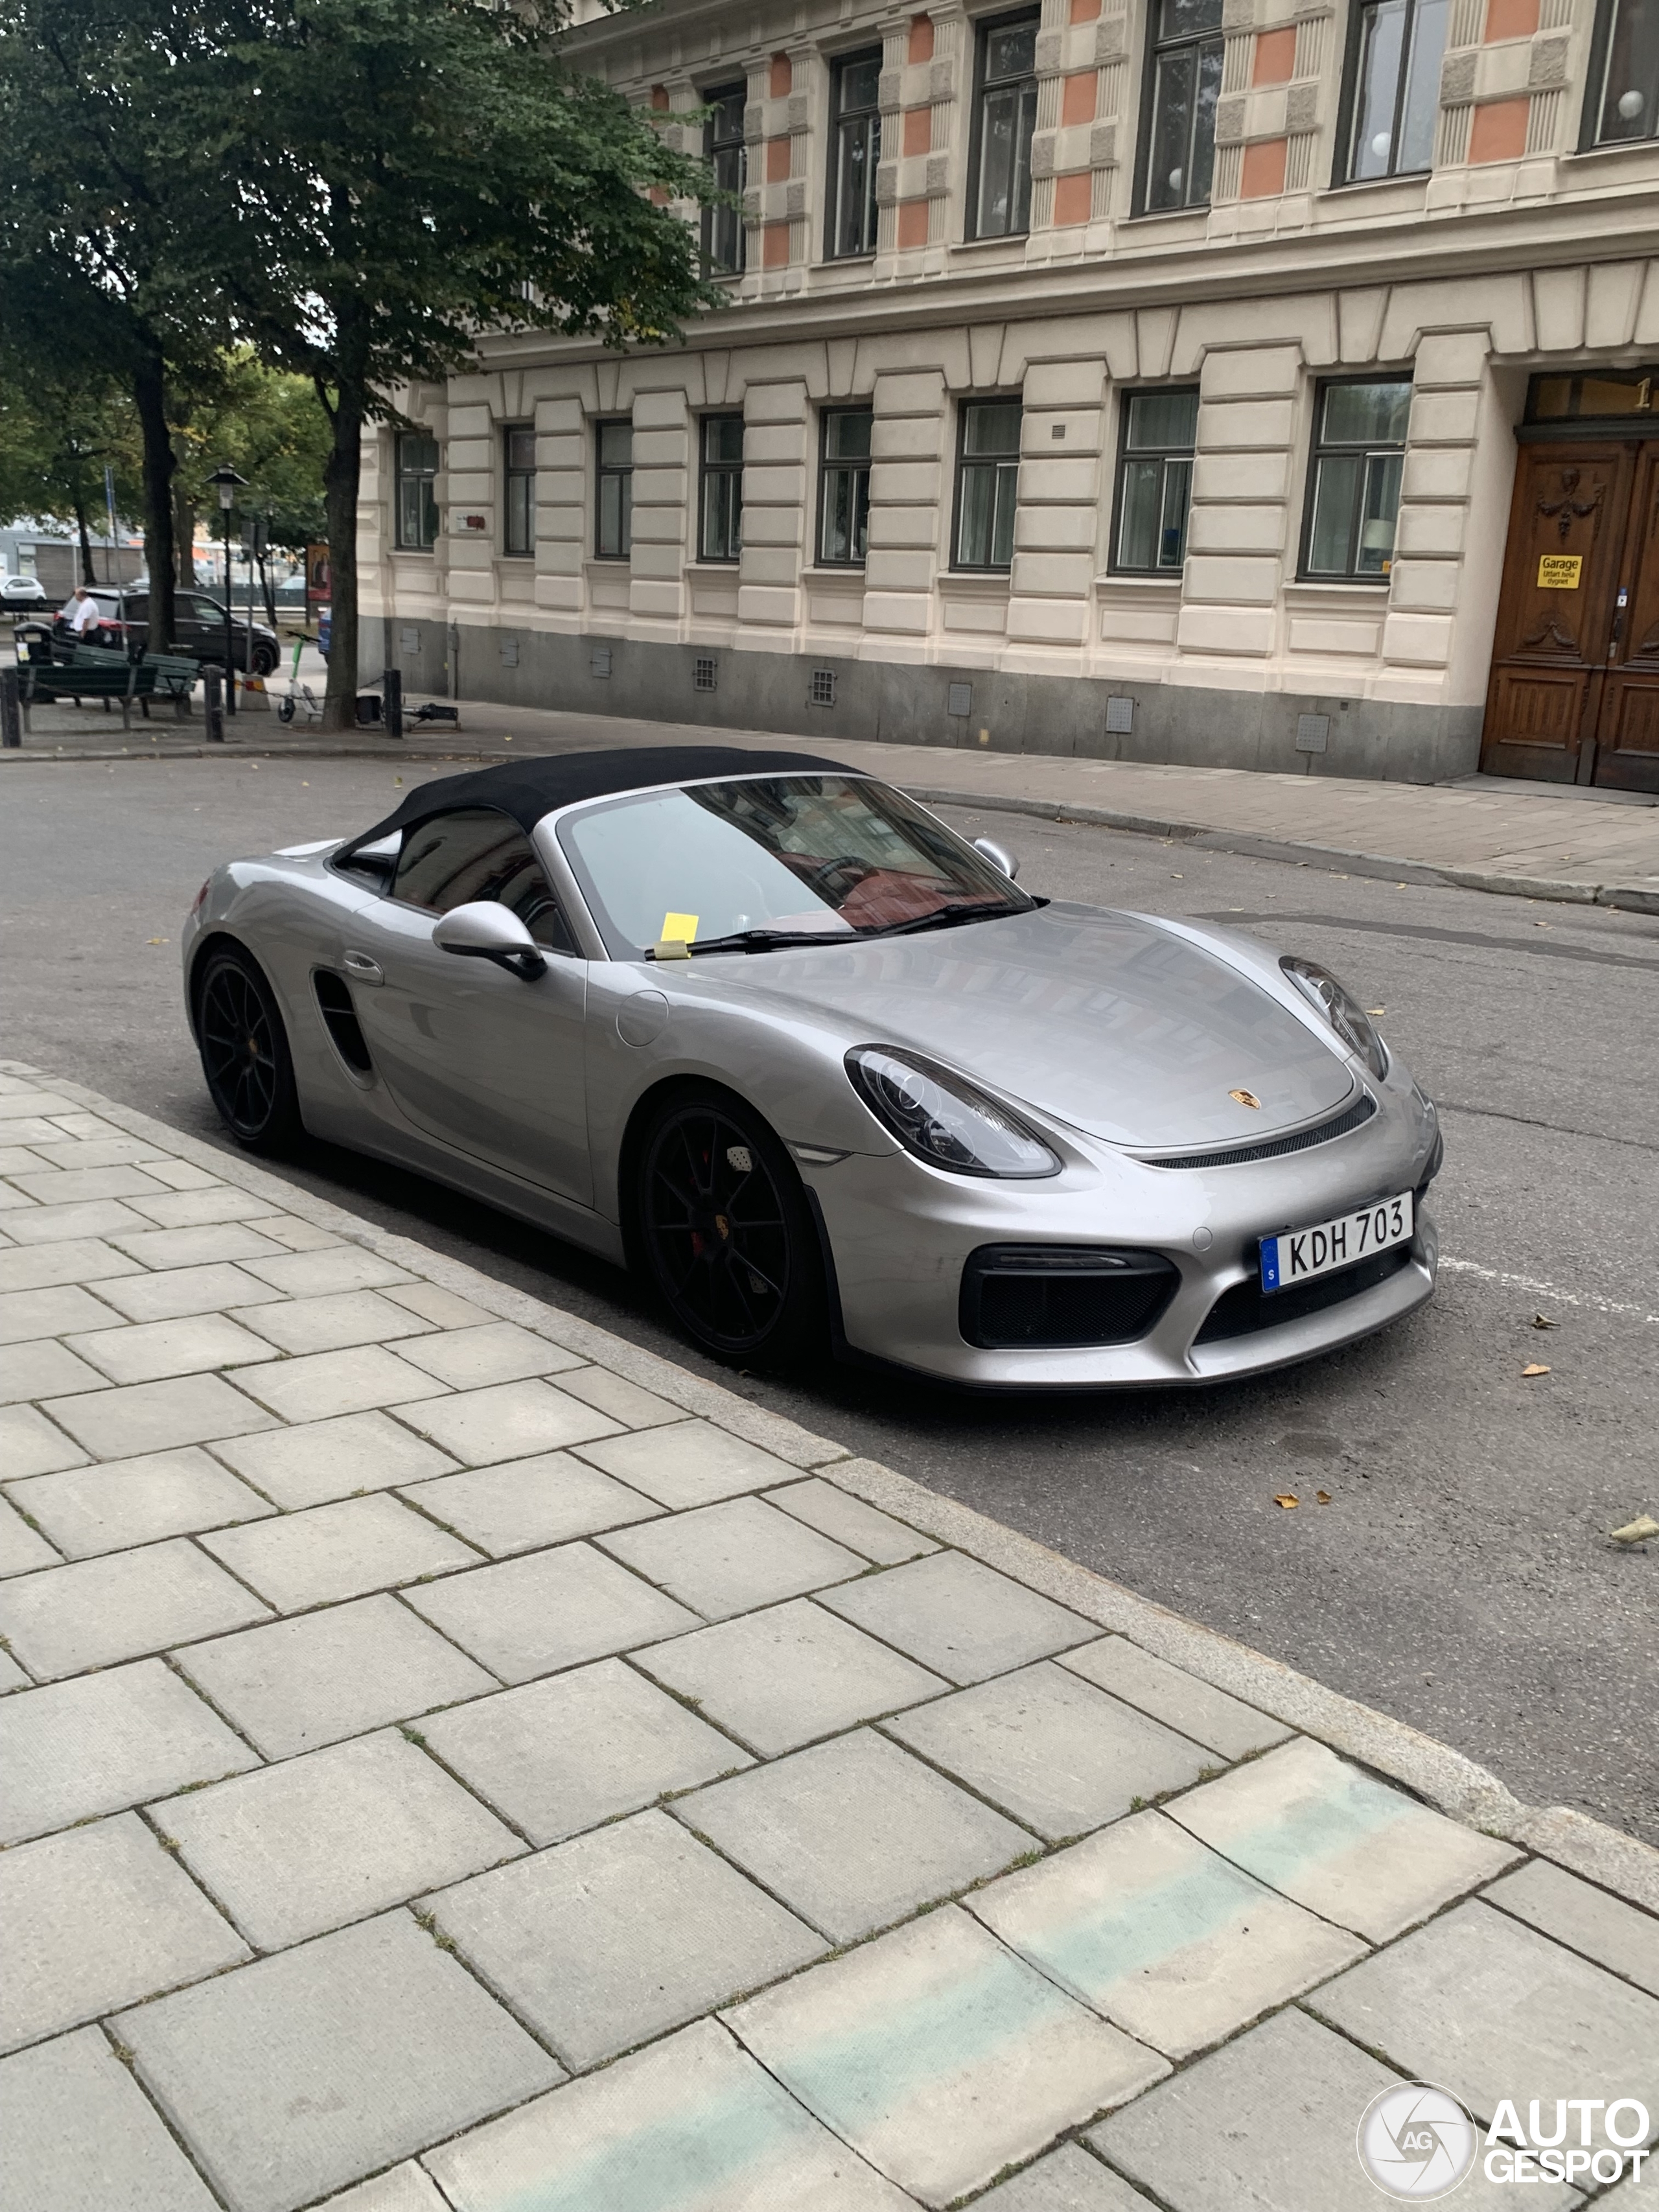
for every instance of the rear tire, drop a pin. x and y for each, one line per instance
(264, 661)
(245, 1055)
(724, 1234)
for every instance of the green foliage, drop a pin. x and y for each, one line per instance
(271, 428)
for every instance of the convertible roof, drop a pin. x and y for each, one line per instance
(528, 789)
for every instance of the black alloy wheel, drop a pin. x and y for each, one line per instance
(266, 657)
(725, 1232)
(245, 1055)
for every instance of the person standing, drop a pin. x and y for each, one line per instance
(84, 614)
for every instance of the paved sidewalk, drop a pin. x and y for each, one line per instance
(454, 1758)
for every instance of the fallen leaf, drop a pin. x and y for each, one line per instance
(155, 940)
(1376, 1010)
(1534, 1369)
(1286, 1498)
(1542, 1321)
(1323, 1496)
(1637, 1531)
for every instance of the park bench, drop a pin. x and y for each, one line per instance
(95, 672)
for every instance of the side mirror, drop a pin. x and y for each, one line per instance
(998, 856)
(484, 930)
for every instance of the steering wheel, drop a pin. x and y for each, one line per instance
(822, 880)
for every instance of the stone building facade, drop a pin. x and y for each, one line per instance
(1139, 381)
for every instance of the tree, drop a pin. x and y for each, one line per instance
(269, 426)
(61, 425)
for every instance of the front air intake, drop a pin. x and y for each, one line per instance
(1062, 1296)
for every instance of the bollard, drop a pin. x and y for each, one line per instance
(213, 702)
(11, 715)
(392, 712)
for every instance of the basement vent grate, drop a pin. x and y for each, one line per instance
(821, 692)
(704, 672)
(1119, 717)
(960, 701)
(600, 660)
(1312, 733)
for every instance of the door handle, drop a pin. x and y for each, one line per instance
(362, 970)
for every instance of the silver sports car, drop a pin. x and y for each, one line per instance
(768, 1031)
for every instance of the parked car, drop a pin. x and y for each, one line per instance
(21, 592)
(199, 628)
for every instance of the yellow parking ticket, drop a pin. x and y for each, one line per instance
(678, 928)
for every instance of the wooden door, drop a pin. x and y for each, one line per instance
(1555, 611)
(1628, 726)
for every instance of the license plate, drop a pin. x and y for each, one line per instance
(1301, 1254)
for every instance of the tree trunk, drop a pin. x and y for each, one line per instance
(267, 592)
(183, 533)
(341, 473)
(88, 575)
(149, 398)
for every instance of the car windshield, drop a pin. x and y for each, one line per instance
(795, 855)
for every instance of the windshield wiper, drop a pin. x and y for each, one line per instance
(774, 940)
(947, 917)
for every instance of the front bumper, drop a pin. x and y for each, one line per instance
(901, 1235)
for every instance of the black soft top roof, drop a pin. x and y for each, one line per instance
(528, 789)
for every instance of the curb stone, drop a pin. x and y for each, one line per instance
(1444, 1777)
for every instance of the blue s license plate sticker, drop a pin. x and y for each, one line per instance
(1299, 1255)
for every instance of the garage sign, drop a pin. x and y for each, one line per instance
(1559, 572)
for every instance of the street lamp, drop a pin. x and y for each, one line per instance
(227, 479)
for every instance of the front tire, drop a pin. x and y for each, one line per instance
(264, 661)
(724, 1232)
(245, 1055)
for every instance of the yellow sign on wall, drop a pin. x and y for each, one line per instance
(1559, 572)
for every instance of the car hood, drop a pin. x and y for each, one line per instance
(1122, 1029)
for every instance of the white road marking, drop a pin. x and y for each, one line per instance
(1547, 1291)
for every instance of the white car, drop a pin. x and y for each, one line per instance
(22, 591)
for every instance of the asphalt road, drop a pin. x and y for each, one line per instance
(1460, 1578)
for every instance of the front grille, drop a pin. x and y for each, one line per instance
(1275, 1148)
(1244, 1309)
(1060, 1296)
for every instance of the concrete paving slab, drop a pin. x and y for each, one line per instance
(334, 1267)
(780, 1678)
(22, 1548)
(78, 2134)
(1349, 1848)
(624, 1401)
(1586, 1919)
(1488, 2007)
(296, 1236)
(73, 1750)
(54, 1224)
(31, 1444)
(405, 2188)
(25, 1314)
(854, 1833)
(333, 1836)
(938, 2056)
(311, 2069)
(557, 1757)
(170, 1248)
(46, 1267)
(510, 1420)
(529, 1502)
(1066, 2180)
(530, 1616)
(89, 1509)
(730, 1558)
(148, 1351)
(79, 1153)
(208, 1203)
(148, 1417)
(333, 1323)
(321, 1384)
(614, 1937)
(692, 1464)
(687, 2125)
(1268, 2124)
(964, 1621)
(1181, 1701)
(443, 1309)
(175, 1292)
(95, 1918)
(1052, 1751)
(488, 1353)
(96, 1611)
(32, 1102)
(321, 1461)
(42, 1368)
(12, 1676)
(330, 1675)
(874, 1535)
(331, 1553)
(1161, 1934)
(46, 1186)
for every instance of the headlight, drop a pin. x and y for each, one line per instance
(1342, 1010)
(943, 1119)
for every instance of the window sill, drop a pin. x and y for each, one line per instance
(838, 572)
(1343, 588)
(1133, 579)
(607, 563)
(1418, 177)
(993, 582)
(982, 245)
(711, 567)
(415, 552)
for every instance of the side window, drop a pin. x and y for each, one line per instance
(477, 854)
(1395, 48)
(519, 482)
(854, 151)
(613, 502)
(416, 491)
(1183, 81)
(724, 150)
(1354, 484)
(844, 487)
(1154, 481)
(1005, 117)
(988, 484)
(719, 534)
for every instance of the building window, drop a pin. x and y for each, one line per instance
(1396, 49)
(854, 151)
(1183, 79)
(1354, 484)
(1155, 481)
(728, 156)
(720, 531)
(1005, 117)
(844, 487)
(988, 484)
(613, 502)
(519, 536)
(1624, 73)
(417, 491)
